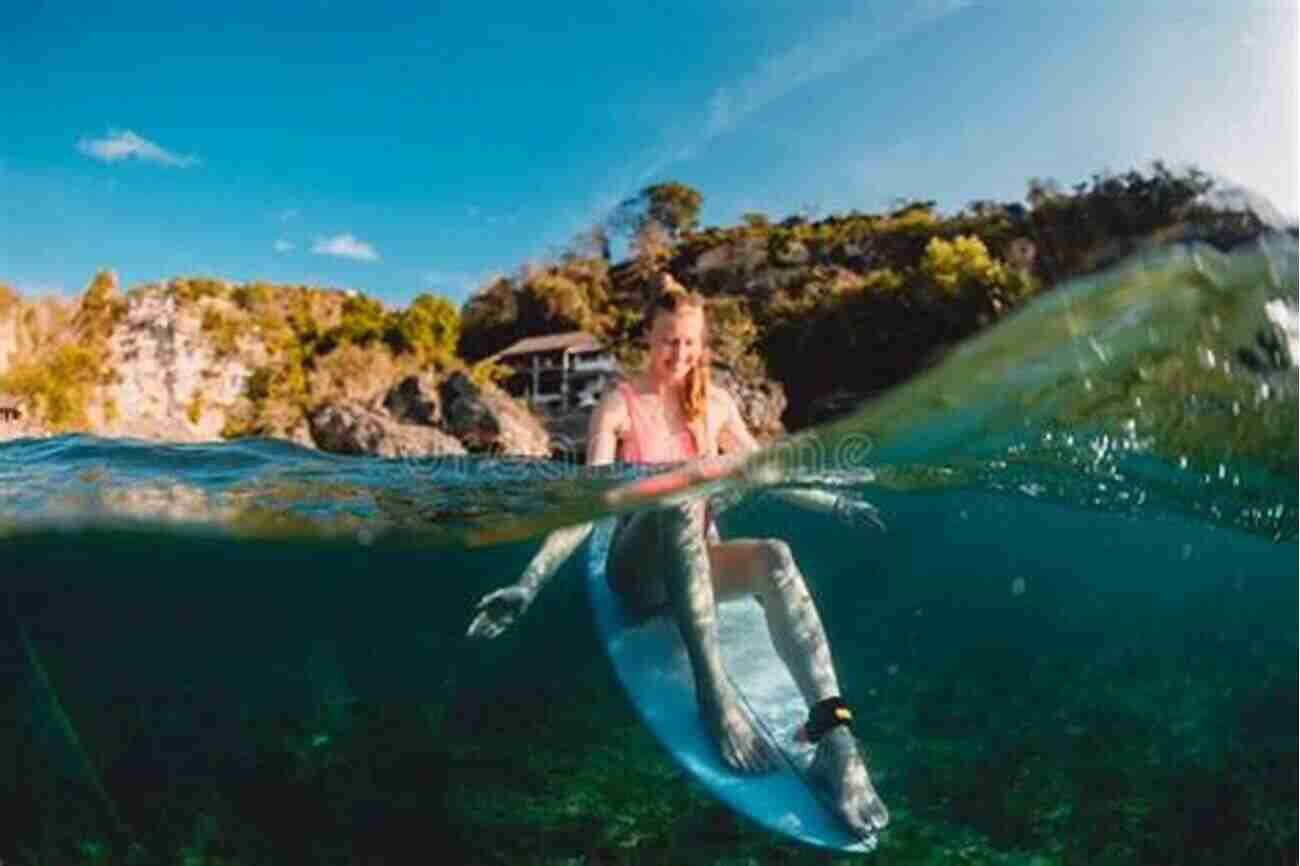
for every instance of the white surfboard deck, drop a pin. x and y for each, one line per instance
(651, 664)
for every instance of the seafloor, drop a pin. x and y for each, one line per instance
(303, 708)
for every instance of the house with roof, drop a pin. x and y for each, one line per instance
(558, 372)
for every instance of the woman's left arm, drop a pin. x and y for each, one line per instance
(739, 440)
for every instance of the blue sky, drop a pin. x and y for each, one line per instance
(401, 148)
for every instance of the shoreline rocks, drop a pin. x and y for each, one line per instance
(487, 419)
(425, 415)
(354, 428)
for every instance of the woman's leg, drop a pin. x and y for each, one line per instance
(688, 579)
(631, 564)
(662, 555)
(766, 569)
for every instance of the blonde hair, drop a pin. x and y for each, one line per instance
(672, 298)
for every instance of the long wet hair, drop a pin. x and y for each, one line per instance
(672, 297)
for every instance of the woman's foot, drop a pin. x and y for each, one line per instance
(742, 747)
(839, 770)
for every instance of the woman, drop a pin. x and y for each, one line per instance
(669, 557)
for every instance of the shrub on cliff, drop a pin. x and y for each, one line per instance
(223, 330)
(67, 361)
(100, 309)
(429, 328)
(571, 294)
(57, 384)
(193, 289)
(8, 299)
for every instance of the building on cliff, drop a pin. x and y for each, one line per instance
(558, 372)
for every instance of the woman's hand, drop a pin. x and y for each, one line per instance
(857, 512)
(499, 610)
(854, 511)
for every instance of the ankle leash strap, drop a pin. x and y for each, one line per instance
(825, 715)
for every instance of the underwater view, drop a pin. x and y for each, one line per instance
(1069, 631)
(705, 434)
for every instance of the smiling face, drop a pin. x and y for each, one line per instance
(676, 343)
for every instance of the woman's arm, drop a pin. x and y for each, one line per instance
(499, 610)
(741, 441)
(850, 509)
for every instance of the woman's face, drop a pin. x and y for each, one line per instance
(676, 341)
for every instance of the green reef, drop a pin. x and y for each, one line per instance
(997, 759)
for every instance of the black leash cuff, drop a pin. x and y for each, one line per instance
(825, 715)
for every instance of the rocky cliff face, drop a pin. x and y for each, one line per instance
(166, 380)
(761, 402)
(8, 339)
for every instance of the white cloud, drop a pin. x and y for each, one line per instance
(124, 144)
(283, 246)
(345, 246)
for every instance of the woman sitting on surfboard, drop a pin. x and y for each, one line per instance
(670, 557)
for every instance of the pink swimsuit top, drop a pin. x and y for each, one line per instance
(649, 442)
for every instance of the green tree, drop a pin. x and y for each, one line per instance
(487, 318)
(1042, 191)
(674, 206)
(952, 265)
(429, 327)
(590, 244)
(363, 320)
(733, 333)
(572, 294)
(99, 307)
(651, 248)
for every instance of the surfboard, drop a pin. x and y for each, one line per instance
(650, 662)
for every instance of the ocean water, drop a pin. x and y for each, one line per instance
(1073, 640)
